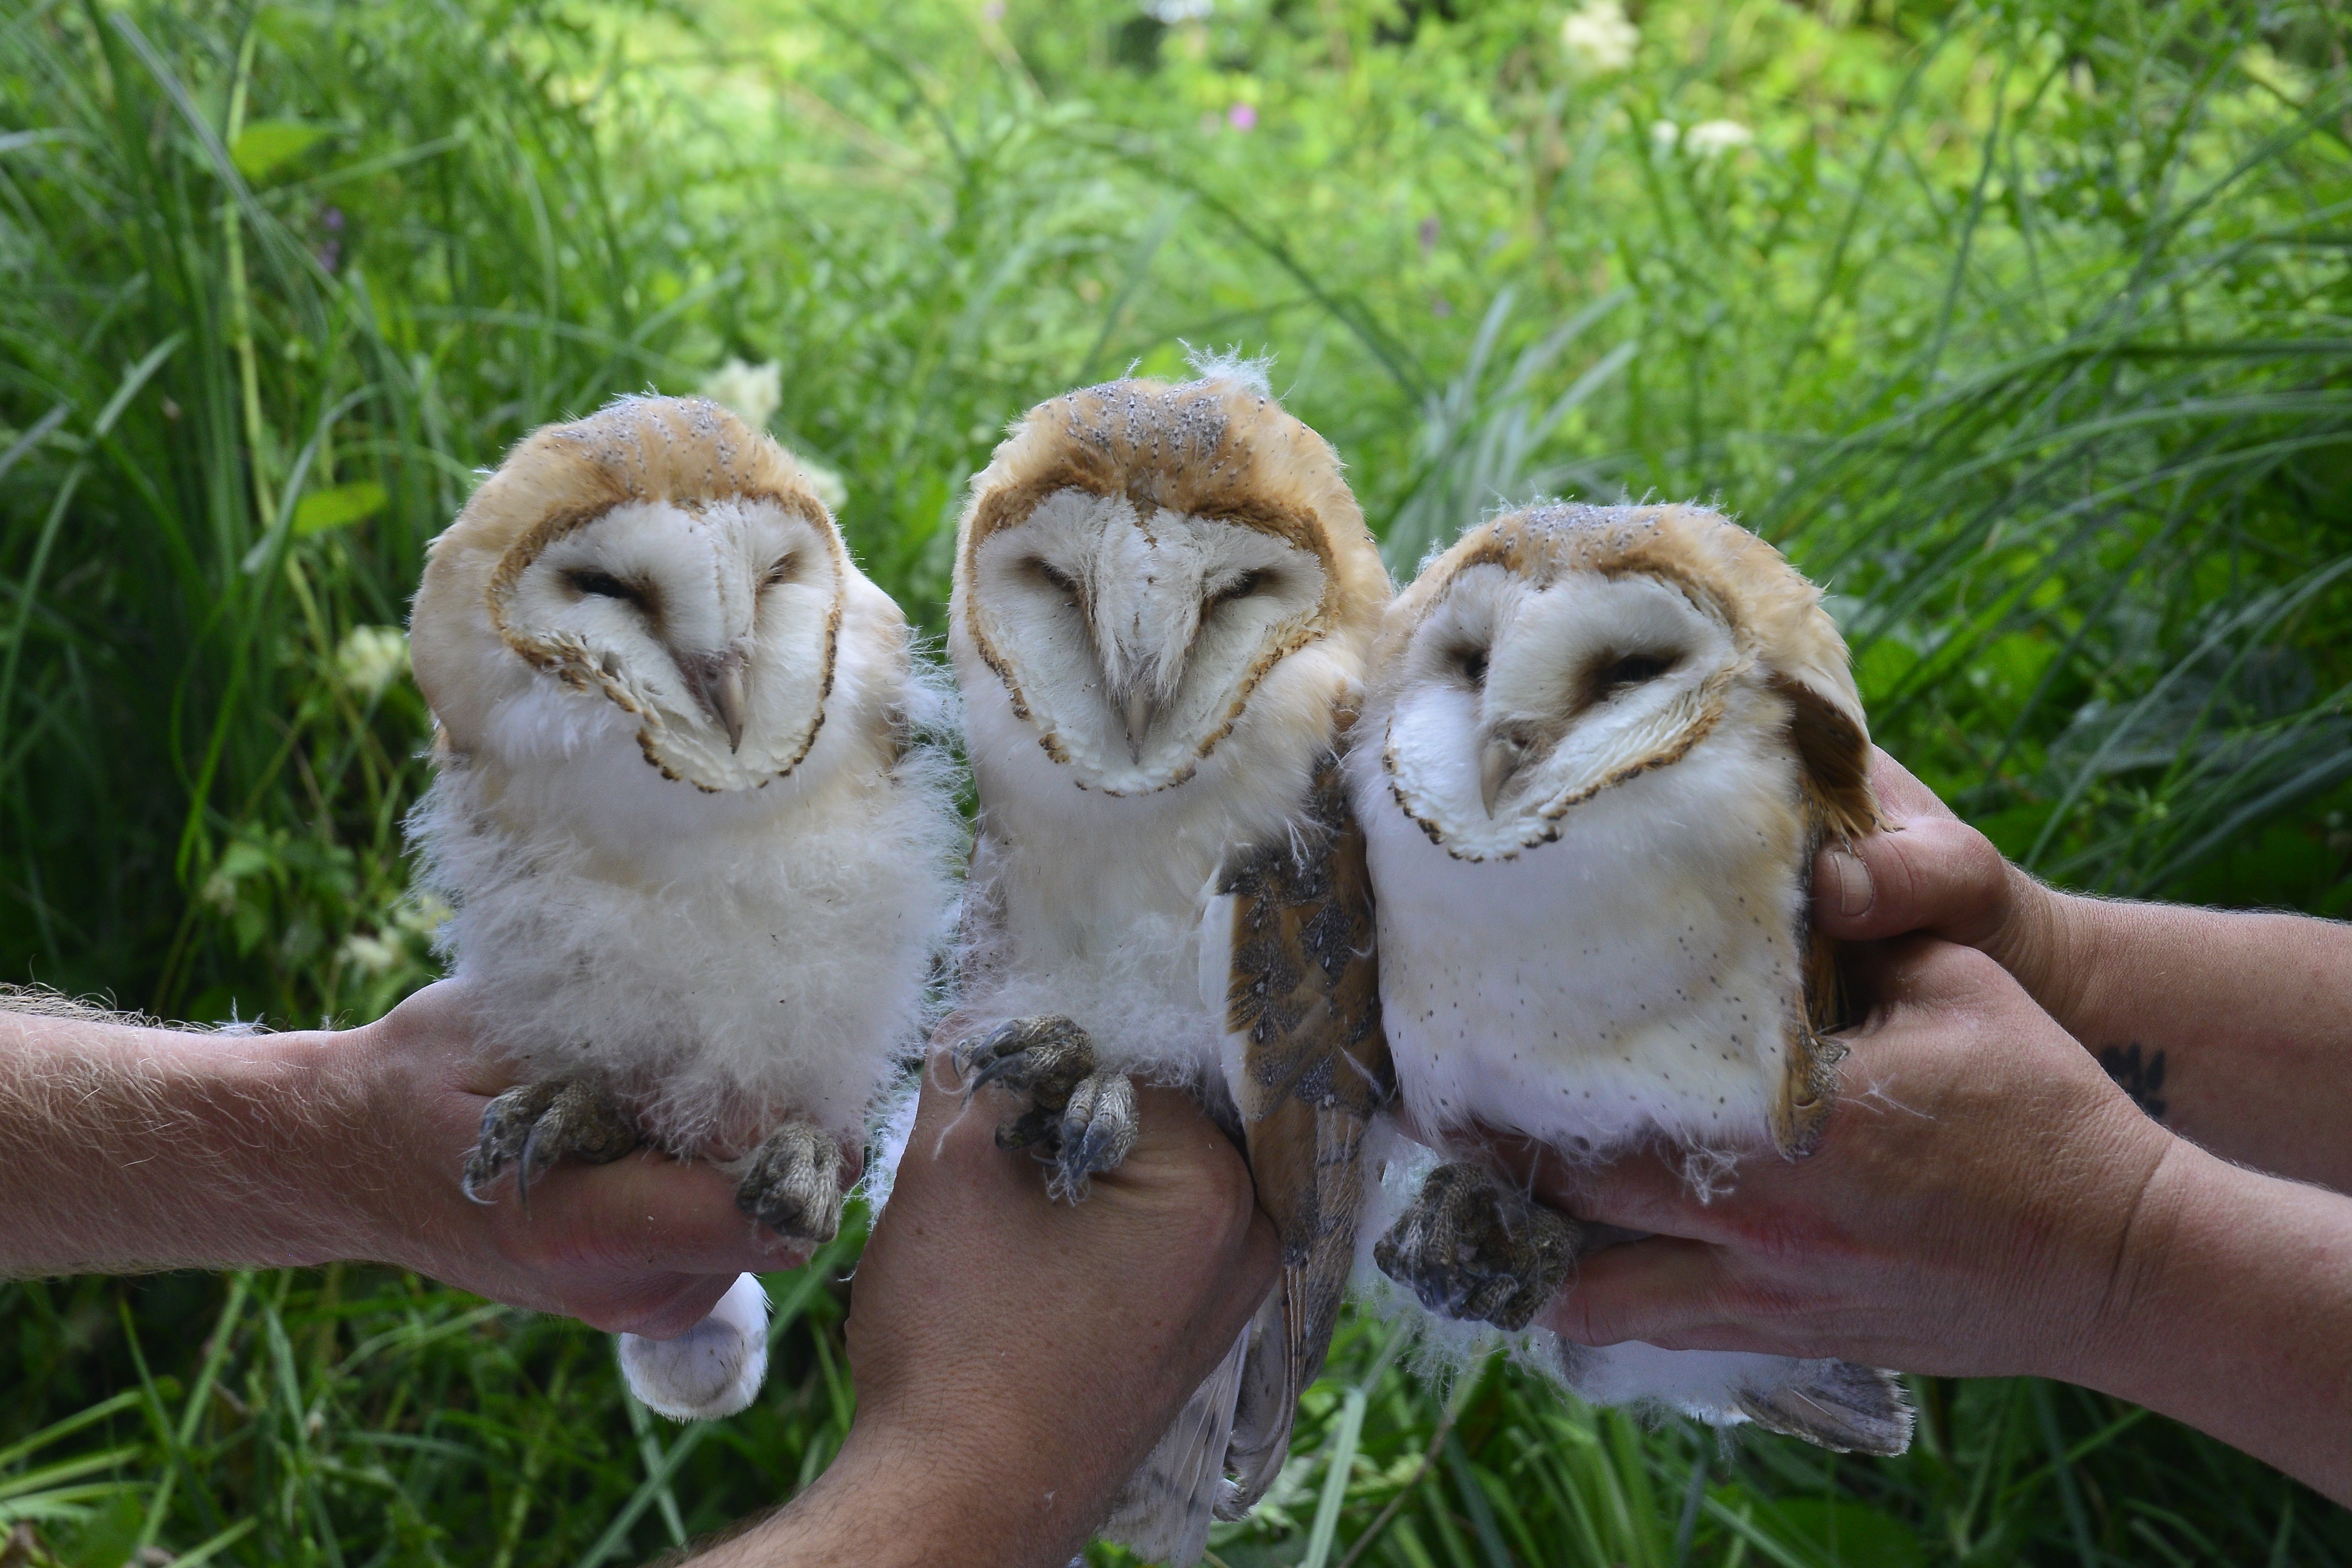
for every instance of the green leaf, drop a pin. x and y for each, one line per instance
(337, 506)
(265, 145)
(1881, 668)
(1844, 1533)
(107, 1539)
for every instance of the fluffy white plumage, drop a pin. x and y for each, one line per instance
(1091, 874)
(739, 956)
(1163, 596)
(697, 860)
(1636, 976)
(1598, 748)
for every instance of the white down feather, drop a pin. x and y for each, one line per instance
(728, 959)
(1636, 976)
(1630, 981)
(1091, 905)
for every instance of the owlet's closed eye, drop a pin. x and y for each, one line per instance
(1052, 576)
(1628, 670)
(1472, 663)
(1241, 587)
(588, 583)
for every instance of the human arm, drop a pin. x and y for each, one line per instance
(1986, 1202)
(1015, 1359)
(2237, 1028)
(134, 1148)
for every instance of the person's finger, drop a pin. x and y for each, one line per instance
(1648, 1190)
(1655, 1290)
(1920, 974)
(660, 1308)
(1932, 873)
(1901, 798)
(647, 1211)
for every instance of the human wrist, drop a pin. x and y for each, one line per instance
(992, 1474)
(900, 1495)
(282, 1110)
(153, 1148)
(2231, 1309)
(2123, 1272)
(355, 1148)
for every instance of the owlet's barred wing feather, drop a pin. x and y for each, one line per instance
(1833, 750)
(1304, 996)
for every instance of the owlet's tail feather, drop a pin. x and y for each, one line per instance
(1162, 1513)
(713, 1370)
(1835, 1404)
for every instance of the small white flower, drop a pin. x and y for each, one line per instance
(219, 890)
(1713, 138)
(370, 659)
(370, 954)
(1600, 41)
(827, 482)
(753, 391)
(1664, 134)
(421, 914)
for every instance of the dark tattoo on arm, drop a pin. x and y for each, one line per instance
(2141, 1077)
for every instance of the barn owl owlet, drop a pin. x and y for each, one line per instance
(700, 876)
(1163, 598)
(1600, 748)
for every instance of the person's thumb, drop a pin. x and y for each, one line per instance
(1933, 874)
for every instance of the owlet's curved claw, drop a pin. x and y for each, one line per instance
(1080, 1119)
(794, 1184)
(1472, 1251)
(1097, 1133)
(533, 1125)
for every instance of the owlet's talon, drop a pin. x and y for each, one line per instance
(1097, 1132)
(794, 1184)
(1078, 1117)
(1471, 1251)
(507, 1122)
(531, 1126)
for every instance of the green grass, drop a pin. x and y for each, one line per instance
(2027, 329)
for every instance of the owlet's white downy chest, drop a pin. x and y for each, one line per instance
(1599, 749)
(699, 871)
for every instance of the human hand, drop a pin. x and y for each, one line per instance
(1927, 870)
(1016, 1359)
(1979, 1206)
(646, 1244)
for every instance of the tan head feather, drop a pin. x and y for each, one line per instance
(693, 462)
(1218, 450)
(1774, 615)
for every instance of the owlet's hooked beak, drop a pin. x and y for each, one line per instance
(1137, 712)
(1505, 754)
(717, 682)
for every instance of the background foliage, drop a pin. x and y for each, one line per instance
(2026, 327)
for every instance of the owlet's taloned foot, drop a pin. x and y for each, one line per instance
(794, 1184)
(1471, 1250)
(1078, 1117)
(533, 1125)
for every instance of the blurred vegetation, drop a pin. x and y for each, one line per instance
(2026, 327)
